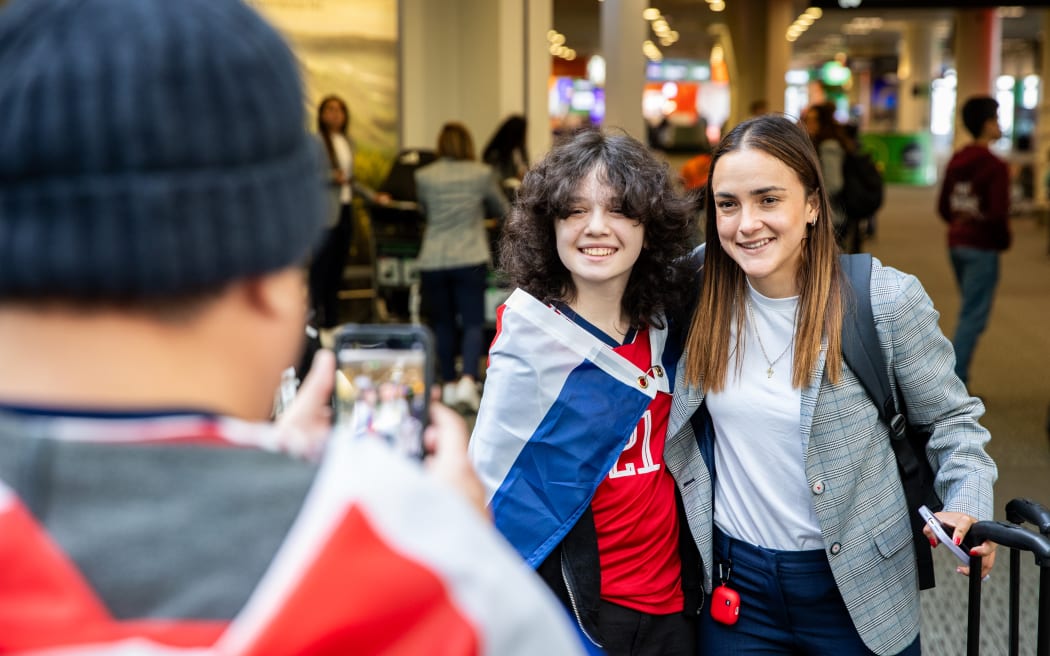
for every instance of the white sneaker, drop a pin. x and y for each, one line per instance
(448, 395)
(467, 395)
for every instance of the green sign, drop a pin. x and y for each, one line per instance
(905, 158)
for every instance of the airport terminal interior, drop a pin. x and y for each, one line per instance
(678, 73)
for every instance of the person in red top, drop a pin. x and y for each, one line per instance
(975, 201)
(599, 235)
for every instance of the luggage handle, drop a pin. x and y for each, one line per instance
(1017, 539)
(1014, 537)
(1026, 510)
(1020, 511)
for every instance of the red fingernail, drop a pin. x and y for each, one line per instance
(973, 552)
(933, 542)
(958, 540)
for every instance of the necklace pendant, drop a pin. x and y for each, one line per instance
(769, 372)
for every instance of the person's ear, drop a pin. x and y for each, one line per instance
(279, 294)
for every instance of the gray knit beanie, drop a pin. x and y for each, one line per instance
(149, 148)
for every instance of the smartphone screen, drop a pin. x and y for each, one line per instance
(383, 384)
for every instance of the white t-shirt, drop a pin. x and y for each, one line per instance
(344, 156)
(762, 495)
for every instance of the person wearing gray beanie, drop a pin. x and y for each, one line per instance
(159, 196)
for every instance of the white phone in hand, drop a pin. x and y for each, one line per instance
(942, 535)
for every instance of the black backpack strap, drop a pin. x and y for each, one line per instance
(860, 343)
(863, 355)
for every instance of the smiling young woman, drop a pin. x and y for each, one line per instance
(767, 186)
(787, 474)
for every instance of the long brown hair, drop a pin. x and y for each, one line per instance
(820, 305)
(323, 130)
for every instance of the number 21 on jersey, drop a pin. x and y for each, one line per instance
(621, 469)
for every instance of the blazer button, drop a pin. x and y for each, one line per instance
(835, 549)
(818, 487)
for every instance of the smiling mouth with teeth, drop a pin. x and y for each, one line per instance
(597, 251)
(756, 244)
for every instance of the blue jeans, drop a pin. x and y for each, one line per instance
(977, 273)
(789, 605)
(448, 295)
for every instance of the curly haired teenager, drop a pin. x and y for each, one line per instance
(569, 437)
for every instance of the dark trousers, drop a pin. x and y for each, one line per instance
(326, 269)
(448, 295)
(628, 632)
(789, 605)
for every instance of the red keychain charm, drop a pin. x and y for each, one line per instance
(725, 601)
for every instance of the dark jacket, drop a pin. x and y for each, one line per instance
(975, 200)
(572, 571)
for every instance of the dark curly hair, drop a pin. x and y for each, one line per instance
(644, 187)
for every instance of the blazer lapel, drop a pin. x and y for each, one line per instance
(686, 399)
(810, 393)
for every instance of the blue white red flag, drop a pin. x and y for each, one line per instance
(559, 407)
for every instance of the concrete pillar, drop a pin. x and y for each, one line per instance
(1041, 143)
(916, 60)
(749, 45)
(978, 57)
(539, 17)
(780, 14)
(473, 61)
(623, 29)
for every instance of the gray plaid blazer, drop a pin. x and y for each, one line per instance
(850, 465)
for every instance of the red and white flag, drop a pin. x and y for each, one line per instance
(381, 560)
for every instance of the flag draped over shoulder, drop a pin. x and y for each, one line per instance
(381, 560)
(558, 408)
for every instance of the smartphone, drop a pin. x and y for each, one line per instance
(384, 374)
(942, 534)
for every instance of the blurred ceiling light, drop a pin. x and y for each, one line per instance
(815, 12)
(651, 14)
(718, 5)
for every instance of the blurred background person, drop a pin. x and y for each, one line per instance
(975, 201)
(832, 144)
(457, 194)
(326, 269)
(506, 153)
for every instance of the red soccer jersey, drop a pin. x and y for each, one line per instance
(635, 515)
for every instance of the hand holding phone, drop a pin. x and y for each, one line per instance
(942, 535)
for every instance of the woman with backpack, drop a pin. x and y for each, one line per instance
(786, 471)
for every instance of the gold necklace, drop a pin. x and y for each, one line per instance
(754, 326)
